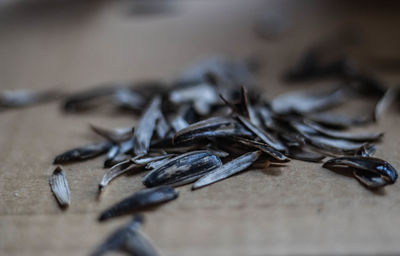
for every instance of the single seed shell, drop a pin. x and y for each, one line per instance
(137, 244)
(363, 137)
(237, 165)
(83, 153)
(274, 154)
(116, 171)
(369, 164)
(140, 200)
(306, 101)
(115, 242)
(59, 186)
(263, 135)
(183, 169)
(212, 127)
(147, 123)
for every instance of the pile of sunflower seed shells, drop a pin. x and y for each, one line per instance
(212, 123)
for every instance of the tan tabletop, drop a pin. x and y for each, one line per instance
(298, 209)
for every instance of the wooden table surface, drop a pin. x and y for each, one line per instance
(298, 209)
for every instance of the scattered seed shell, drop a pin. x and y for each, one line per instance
(116, 171)
(368, 164)
(83, 153)
(140, 200)
(59, 186)
(127, 239)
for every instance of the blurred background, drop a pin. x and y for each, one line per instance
(82, 43)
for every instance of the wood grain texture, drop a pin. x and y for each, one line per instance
(298, 209)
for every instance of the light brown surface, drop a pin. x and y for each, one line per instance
(298, 209)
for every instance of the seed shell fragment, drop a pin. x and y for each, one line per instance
(116, 240)
(263, 135)
(368, 164)
(333, 146)
(128, 239)
(23, 98)
(162, 127)
(275, 155)
(202, 95)
(140, 200)
(235, 166)
(366, 150)
(89, 98)
(183, 169)
(59, 186)
(390, 96)
(138, 244)
(112, 153)
(306, 102)
(370, 180)
(157, 163)
(83, 153)
(146, 159)
(147, 123)
(338, 121)
(126, 98)
(116, 135)
(300, 153)
(116, 171)
(212, 127)
(364, 137)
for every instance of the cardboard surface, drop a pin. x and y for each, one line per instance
(298, 209)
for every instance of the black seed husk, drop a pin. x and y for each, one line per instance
(183, 169)
(139, 201)
(235, 166)
(83, 153)
(368, 164)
